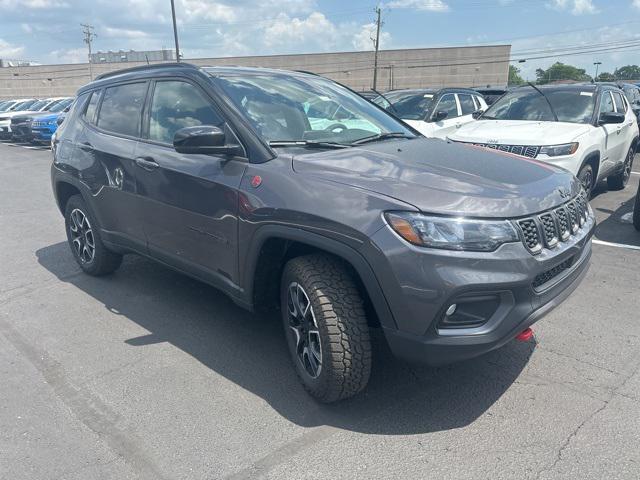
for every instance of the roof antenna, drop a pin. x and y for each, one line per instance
(147, 57)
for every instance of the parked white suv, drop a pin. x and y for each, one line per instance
(588, 129)
(434, 113)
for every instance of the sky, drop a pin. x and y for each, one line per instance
(49, 31)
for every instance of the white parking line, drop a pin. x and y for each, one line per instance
(617, 245)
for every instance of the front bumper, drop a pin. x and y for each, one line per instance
(420, 284)
(42, 134)
(21, 133)
(5, 130)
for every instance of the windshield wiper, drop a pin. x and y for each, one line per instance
(381, 136)
(306, 144)
(546, 98)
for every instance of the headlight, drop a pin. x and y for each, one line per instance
(452, 233)
(558, 150)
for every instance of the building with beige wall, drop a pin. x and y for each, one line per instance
(406, 68)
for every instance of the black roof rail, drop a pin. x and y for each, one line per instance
(140, 68)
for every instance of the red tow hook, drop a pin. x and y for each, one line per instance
(525, 335)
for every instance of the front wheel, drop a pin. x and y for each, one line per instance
(85, 242)
(325, 327)
(586, 177)
(620, 180)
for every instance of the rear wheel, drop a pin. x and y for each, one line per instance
(85, 242)
(620, 180)
(325, 327)
(587, 179)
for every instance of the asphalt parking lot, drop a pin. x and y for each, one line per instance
(149, 374)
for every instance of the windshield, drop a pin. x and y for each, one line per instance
(37, 106)
(61, 105)
(4, 106)
(570, 105)
(306, 108)
(24, 105)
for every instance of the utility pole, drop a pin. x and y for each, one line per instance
(175, 30)
(376, 44)
(87, 30)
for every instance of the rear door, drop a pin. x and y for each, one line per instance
(190, 201)
(467, 107)
(622, 140)
(106, 147)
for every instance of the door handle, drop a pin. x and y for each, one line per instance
(146, 163)
(86, 147)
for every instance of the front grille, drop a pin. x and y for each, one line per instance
(549, 228)
(545, 277)
(523, 150)
(18, 120)
(530, 234)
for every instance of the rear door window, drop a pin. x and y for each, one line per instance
(121, 109)
(466, 104)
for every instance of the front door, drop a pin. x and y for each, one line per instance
(613, 135)
(445, 127)
(190, 200)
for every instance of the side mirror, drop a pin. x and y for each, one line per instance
(204, 139)
(611, 117)
(477, 114)
(439, 115)
(59, 120)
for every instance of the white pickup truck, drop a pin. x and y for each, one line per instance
(588, 129)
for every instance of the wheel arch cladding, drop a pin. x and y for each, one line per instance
(275, 247)
(64, 191)
(592, 159)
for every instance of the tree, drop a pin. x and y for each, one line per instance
(561, 71)
(629, 72)
(606, 77)
(514, 76)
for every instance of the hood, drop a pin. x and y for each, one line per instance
(519, 132)
(45, 117)
(445, 178)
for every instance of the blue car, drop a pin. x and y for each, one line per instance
(43, 126)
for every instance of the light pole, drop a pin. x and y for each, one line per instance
(175, 30)
(597, 64)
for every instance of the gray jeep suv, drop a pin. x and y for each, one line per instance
(288, 190)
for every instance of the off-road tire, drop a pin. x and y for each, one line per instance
(620, 180)
(343, 330)
(104, 261)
